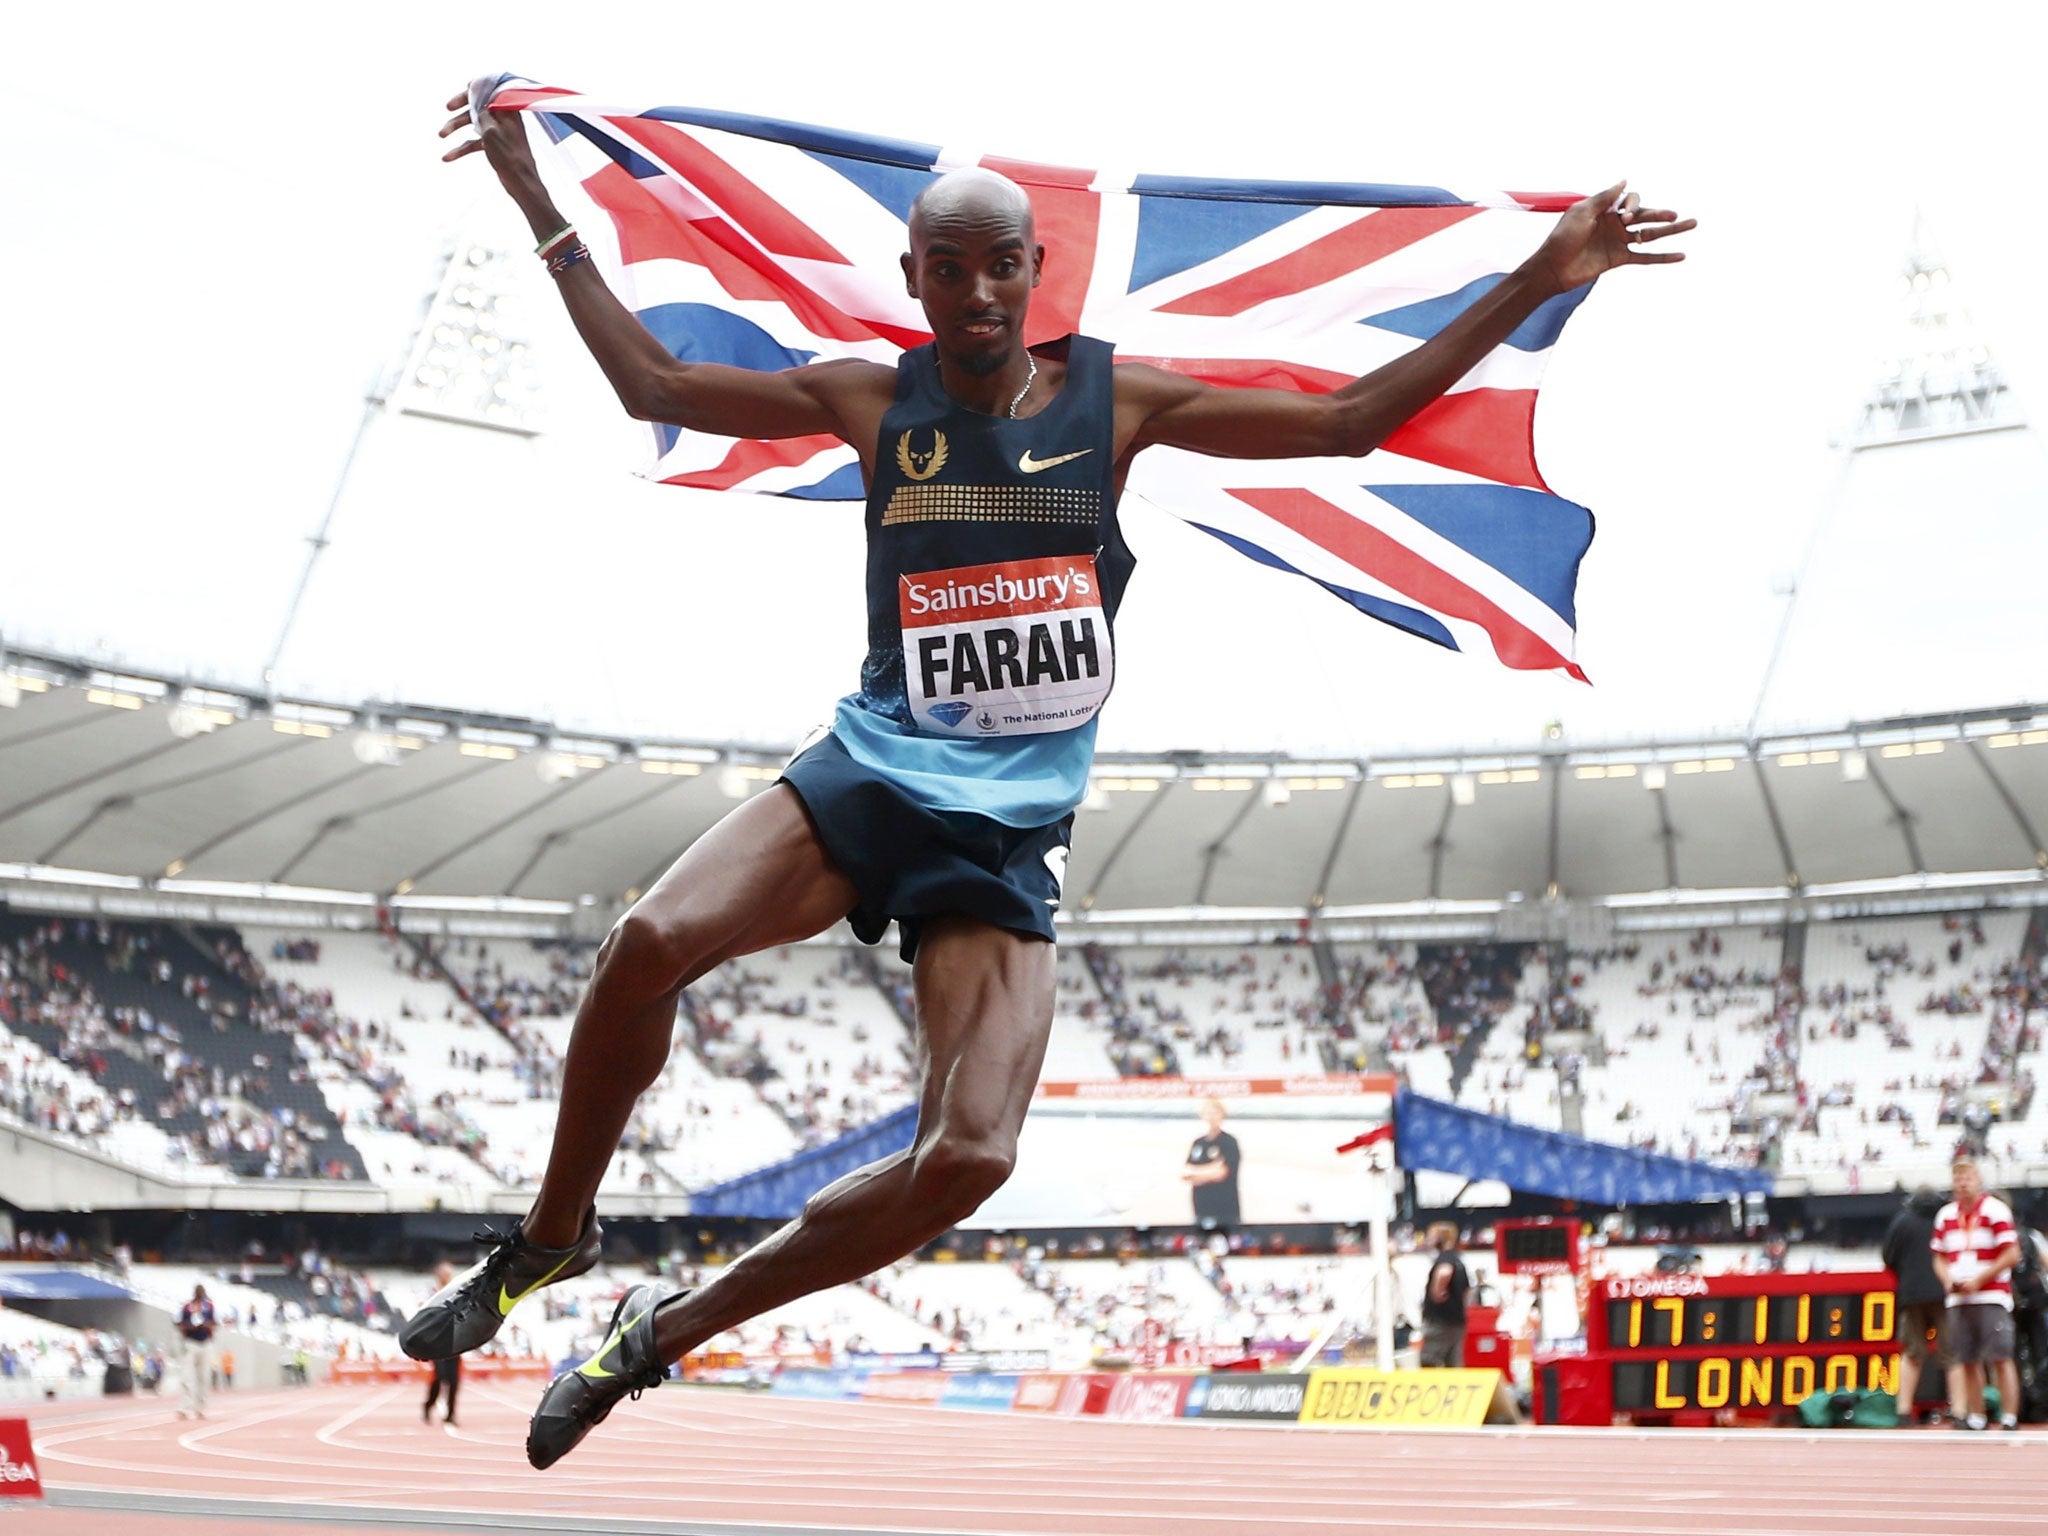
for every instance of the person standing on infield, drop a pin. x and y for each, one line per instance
(887, 816)
(1443, 1300)
(1976, 1245)
(1211, 1171)
(196, 1320)
(447, 1370)
(1920, 1296)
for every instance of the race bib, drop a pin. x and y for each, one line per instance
(1012, 649)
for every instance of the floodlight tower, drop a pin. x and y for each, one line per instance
(1943, 380)
(467, 362)
(1940, 380)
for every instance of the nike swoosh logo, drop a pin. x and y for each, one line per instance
(1032, 466)
(591, 1368)
(507, 1301)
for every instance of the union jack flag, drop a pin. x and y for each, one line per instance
(766, 244)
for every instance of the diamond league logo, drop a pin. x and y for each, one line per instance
(953, 711)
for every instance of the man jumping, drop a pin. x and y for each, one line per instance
(943, 796)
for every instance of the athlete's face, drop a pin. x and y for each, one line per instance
(972, 265)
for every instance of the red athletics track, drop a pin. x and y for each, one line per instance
(686, 1460)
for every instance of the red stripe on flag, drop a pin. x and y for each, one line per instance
(651, 228)
(749, 456)
(652, 224)
(1546, 202)
(1486, 432)
(1030, 173)
(1378, 235)
(753, 210)
(1248, 372)
(1377, 553)
(1067, 216)
(525, 98)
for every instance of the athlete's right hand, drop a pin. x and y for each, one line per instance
(500, 135)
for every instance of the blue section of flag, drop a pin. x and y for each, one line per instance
(1413, 620)
(843, 484)
(637, 165)
(701, 333)
(831, 141)
(1425, 319)
(1534, 539)
(895, 187)
(1175, 233)
(1345, 194)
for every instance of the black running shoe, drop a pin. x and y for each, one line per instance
(469, 1310)
(578, 1400)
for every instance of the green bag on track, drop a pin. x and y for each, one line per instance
(1849, 1410)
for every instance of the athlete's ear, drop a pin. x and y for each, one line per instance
(1037, 265)
(909, 274)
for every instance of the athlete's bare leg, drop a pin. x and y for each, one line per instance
(758, 879)
(984, 1010)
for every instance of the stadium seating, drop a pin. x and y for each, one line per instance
(159, 1016)
(1228, 1010)
(218, 1054)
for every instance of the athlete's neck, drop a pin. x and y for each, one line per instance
(991, 394)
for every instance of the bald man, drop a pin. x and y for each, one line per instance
(943, 794)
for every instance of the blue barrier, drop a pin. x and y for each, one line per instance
(990, 1394)
(818, 1386)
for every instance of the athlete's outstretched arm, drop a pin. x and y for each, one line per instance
(1595, 235)
(651, 384)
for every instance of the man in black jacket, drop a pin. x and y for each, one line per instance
(1922, 1307)
(1443, 1300)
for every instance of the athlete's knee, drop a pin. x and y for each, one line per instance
(958, 1172)
(649, 946)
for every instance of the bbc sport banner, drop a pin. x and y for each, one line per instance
(1355, 1398)
(1118, 1151)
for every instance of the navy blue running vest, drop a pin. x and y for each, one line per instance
(995, 567)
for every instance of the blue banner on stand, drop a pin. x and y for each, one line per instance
(780, 1190)
(1447, 1138)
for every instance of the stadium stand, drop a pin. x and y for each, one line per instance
(1903, 1053)
(1225, 1010)
(38, 1090)
(305, 1303)
(40, 1359)
(267, 1052)
(1676, 1042)
(162, 1020)
(834, 1051)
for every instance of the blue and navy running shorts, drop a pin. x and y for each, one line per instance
(911, 864)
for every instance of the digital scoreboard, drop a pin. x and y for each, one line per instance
(1698, 1346)
(1542, 1245)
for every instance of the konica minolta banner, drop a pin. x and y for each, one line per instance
(1246, 1395)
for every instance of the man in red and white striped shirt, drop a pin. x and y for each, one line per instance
(1976, 1246)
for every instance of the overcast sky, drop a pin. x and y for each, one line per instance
(226, 218)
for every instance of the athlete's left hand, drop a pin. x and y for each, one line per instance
(1604, 231)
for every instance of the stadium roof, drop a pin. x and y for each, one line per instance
(150, 783)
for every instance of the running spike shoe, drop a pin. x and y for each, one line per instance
(469, 1310)
(625, 1365)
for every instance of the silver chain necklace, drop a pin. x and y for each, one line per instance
(1029, 379)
